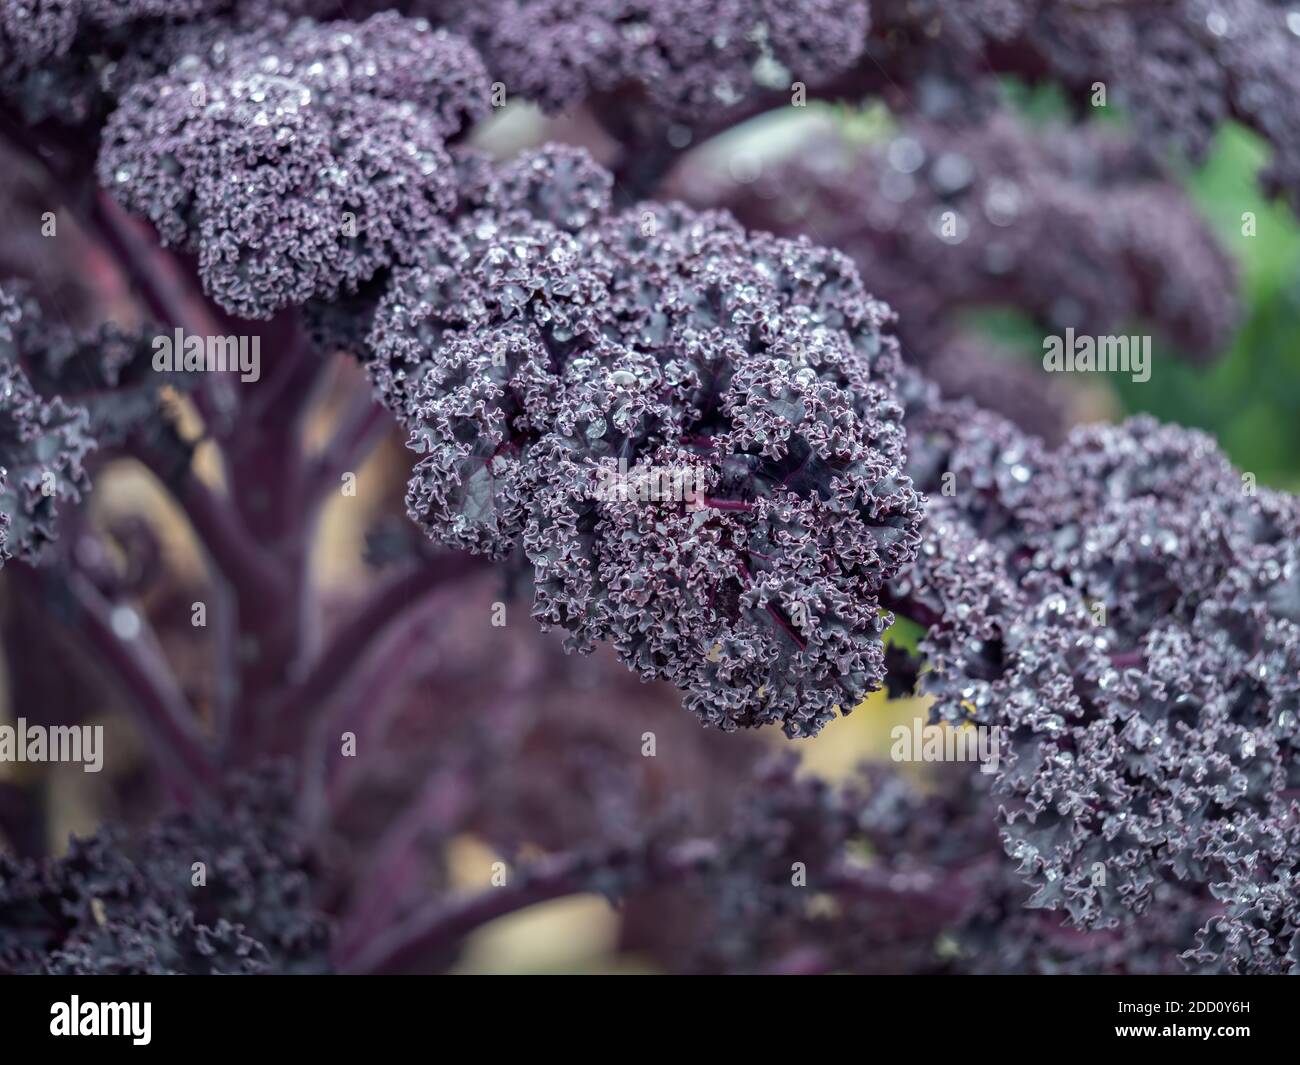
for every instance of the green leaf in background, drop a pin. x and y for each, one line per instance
(1248, 399)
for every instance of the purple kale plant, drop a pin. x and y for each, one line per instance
(727, 442)
(1124, 606)
(659, 338)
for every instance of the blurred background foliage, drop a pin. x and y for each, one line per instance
(1249, 399)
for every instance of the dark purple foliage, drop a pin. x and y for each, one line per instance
(1126, 608)
(697, 443)
(43, 445)
(533, 366)
(688, 60)
(299, 159)
(118, 905)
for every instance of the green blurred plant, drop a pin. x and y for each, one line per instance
(1249, 398)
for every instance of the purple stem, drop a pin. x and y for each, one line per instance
(360, 428)
(725, 504)
(441, 804)
(781, 621)
(349, 644)
(161, 284)
(150, 688)
(943, 898)
(441, 924)
(215, 522)
(370, 690)
(141, 261)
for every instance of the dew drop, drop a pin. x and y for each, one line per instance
(125, 623)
